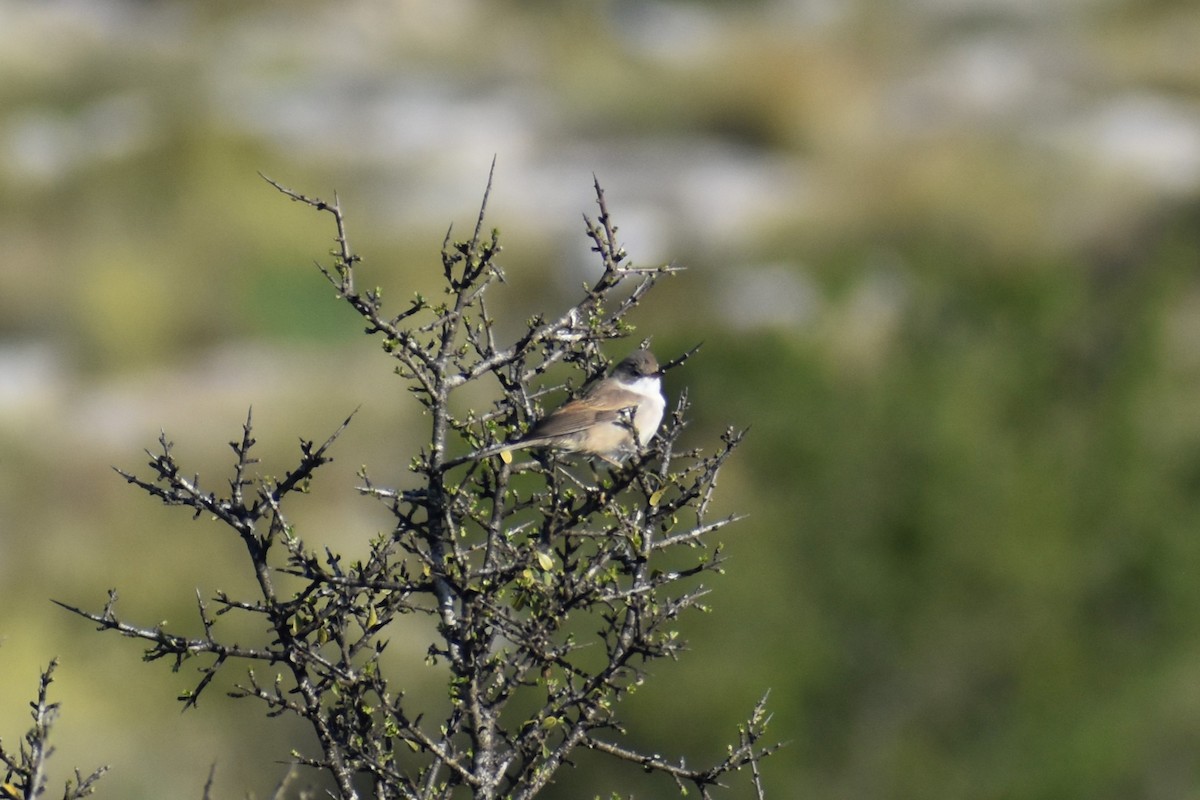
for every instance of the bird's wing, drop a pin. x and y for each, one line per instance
(584, 412)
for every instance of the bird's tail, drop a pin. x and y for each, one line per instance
(504, 450)
(501, 450)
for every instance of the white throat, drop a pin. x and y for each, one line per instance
(650, 410)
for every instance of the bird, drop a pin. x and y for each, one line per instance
(613, 419)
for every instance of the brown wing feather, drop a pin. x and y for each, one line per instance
(581, 414)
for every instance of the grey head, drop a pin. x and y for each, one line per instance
(639, 364)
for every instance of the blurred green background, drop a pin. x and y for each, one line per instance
(943, 257)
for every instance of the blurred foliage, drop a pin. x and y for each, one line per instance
(973, 470)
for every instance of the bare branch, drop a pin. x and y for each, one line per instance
(27, 769)
(545, 587)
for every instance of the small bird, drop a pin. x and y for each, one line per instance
(603, 421)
